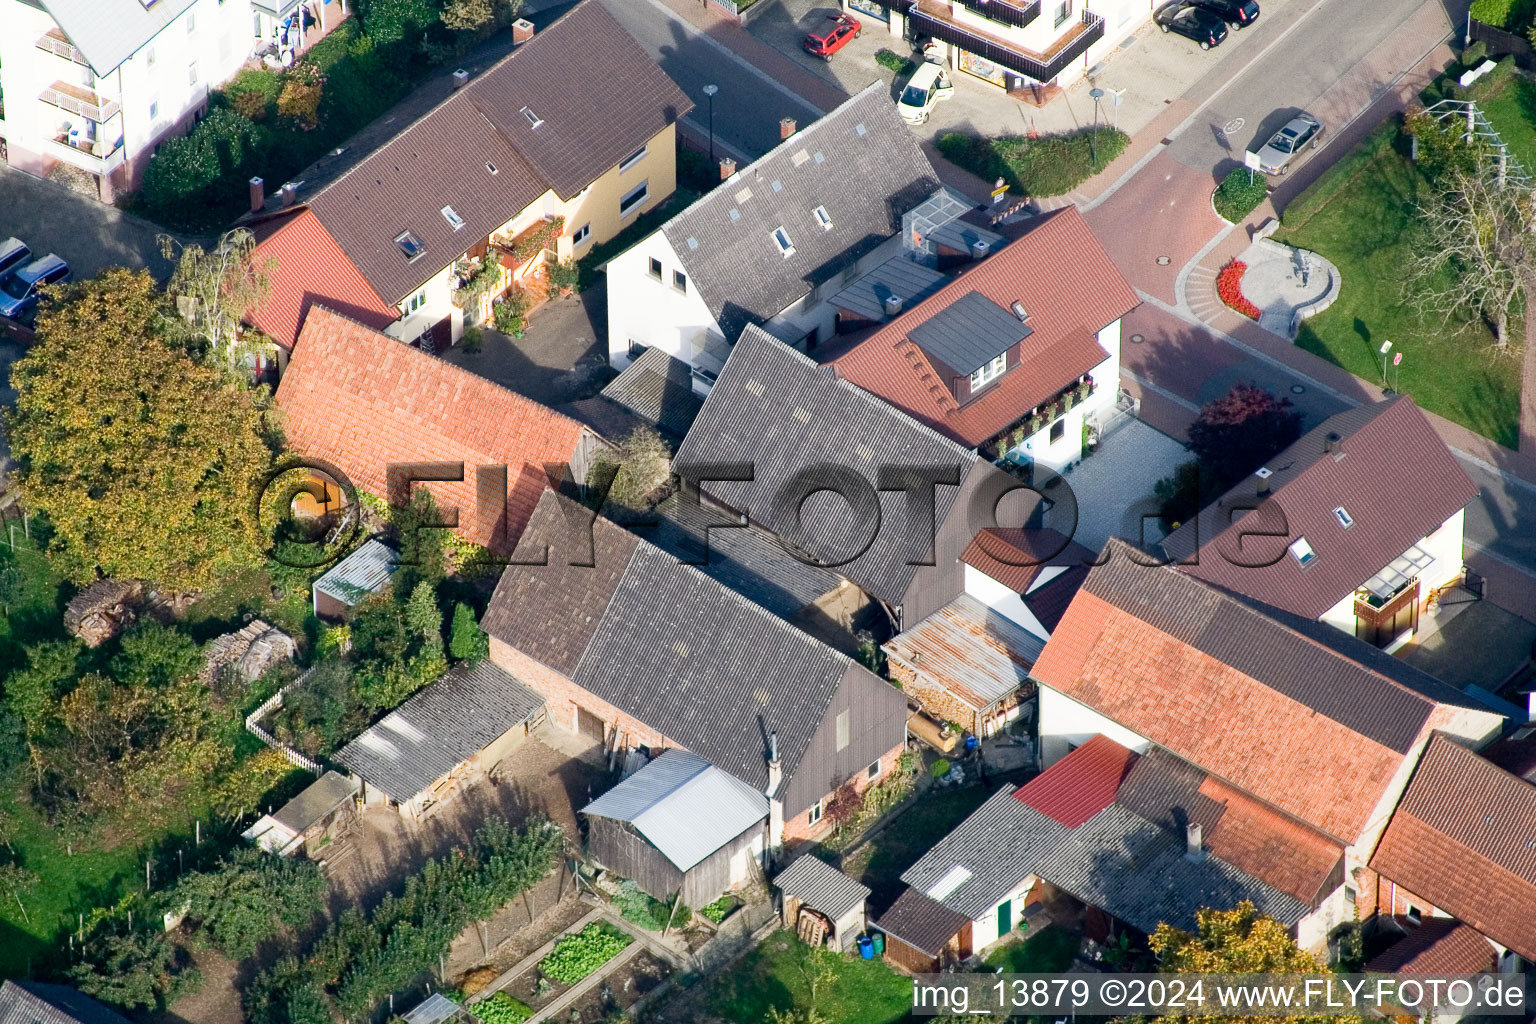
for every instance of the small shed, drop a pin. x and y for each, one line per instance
(322, 808)
(821, 903)
(438, 1009)
(448, 734)
(363, 572)
(923, 936)
(679, 824)
(103, 610)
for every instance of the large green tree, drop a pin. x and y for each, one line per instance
(249, 898)
(145, 461)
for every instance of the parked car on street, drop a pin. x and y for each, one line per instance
(1237, 13)
(841, 30)
(928, 85)
(20, 290)
(1192, 22)
(13, 253)
(1300, 132)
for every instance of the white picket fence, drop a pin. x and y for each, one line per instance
(253, 726)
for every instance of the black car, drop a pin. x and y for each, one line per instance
(1193, 22)
(1237, 13)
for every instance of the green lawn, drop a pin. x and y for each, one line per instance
(879, 863)
(770, 976)
(1360, 215)
(1509, 104)
(1049, 951)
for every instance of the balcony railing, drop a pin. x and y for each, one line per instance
(55, 42)
(1041, 67)
(1005, 12)
(899, 6)
(79, 100)
(98, 148)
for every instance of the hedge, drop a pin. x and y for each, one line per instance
(1048, 165)
(1239, 194)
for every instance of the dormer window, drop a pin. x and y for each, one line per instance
(410, 246)
(1302, 552)
(823, 218)
(452, 217)
(990, 372)
(534, 120)
(781, 239)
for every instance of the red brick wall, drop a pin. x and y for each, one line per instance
(800, 828)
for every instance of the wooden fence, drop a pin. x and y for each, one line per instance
(1503, 44)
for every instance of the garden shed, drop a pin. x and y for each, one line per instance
(821, 903)
(323, 808)
(679, 823)
(362, 573)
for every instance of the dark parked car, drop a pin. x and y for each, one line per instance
(1237, 13)
(13, 253)
(1193, 22)
(840, 30)
(21, 289)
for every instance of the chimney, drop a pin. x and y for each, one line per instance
(1192, 841)
(980, 248)
(522, 31)
(1262, 488)
(258, 195)
(786, 127)
(1331, 443)
(892, 305)
(775, 768)
(289, 194)
(460, 78)
(727, 167)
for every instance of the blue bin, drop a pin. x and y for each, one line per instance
(971, 743)
(866, 947)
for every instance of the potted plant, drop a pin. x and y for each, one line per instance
(563, 276)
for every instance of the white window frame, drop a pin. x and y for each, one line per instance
(1342, 515)
(415, 302)
(781, 239)
(680, 281)
(1063, 13)
(873, 771)
(813, 815)
(634, 158)
(823, 218)
(421, 248)
(581, 235)
(634, 198)
(655, 269)
(193, 75)
(990, 372)
(452, 217)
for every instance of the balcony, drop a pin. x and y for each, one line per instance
(58, 44)
(78, 100)
(1004, 12)
(104, 156)
(933, 18)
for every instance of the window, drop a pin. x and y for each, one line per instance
(1058, 430)
(192, 73)
(582, 234)
(154, 107)
(1415, 915)
(781, 239)
(823, 218)
(1302, 551)
(680, 281)
(874, 770)
(416, 301)
(634, 197)
(656, 268)
(491, 167)
(1063, 12)
(990, 372)
(814, 814)
(633, 158)
(1351, 897)
(452, 217)
(844, 721)
(410, 246)
(1342, 515)
(191, 22)
(534, 120)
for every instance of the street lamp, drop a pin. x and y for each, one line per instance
(1386, 347)
(710, 90)
(1097, 94)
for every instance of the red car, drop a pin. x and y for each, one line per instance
(840, 31)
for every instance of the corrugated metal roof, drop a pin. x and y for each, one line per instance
(363, 572)
(439, 728)
(969, 332)
(685, 806)
(318, 799)
(820, 885)
(33, 1003)
(658, 388)
(921, 922)
(972, 651)
(962, 235)
(108, 32)
(899, 277)
(1081, 784)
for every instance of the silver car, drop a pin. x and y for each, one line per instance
(1299, 133)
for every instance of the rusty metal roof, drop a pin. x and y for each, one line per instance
(979, 655)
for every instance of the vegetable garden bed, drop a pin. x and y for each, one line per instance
(576, 956)
(621, 989)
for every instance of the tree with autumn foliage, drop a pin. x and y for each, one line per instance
(145, 461)
(1236, 433)
(1237, 941)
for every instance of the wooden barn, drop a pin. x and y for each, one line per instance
(679, 824)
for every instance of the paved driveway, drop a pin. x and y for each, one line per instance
(89, 235)
(1113, 487)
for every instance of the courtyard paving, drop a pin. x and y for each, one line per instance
(1283, 282)
(1113, 487)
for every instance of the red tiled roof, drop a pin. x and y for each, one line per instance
(1014, 557)
(1070, 287)
(1081, 784)
(1394, 477)
(1464, 838)
(1436, 945)
(1270, 846)
(364, 401)
(310, 269)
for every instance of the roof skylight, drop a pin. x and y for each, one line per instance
(953, 879)
(1342, 515)
(410, 246)
(1302, 551)
(823, 218)
(452, 217)
(533, 119)
(781, 238)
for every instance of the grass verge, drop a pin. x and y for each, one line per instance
(1048, 951)
(1046, 166)
(772, 977)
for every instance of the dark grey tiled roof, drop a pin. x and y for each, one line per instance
(776, 410)
(860, 162)
(658, 388)
(1165, 789)
(820, 885)
(998, 844)
(920, 922)
(1332, 673)
(1137, 872)
(30, 1002)
(969, 332)
(437, 729)
(900, 276)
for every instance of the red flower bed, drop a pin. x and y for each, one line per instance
(1229, 285)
